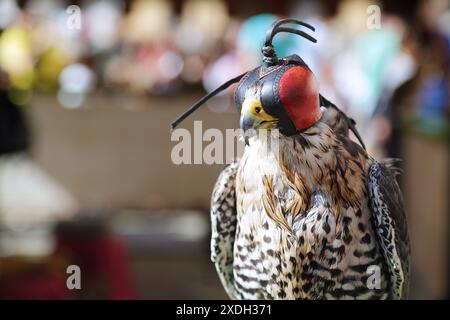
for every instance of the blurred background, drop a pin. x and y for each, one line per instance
(88, 90)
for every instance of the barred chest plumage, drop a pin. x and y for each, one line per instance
(296, 236)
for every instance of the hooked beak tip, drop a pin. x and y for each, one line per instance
(246, 123)
(247, 139)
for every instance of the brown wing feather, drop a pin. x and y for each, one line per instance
(223, 226)
(389, 221)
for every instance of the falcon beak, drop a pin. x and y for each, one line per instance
(253, 116)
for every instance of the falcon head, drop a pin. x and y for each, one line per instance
(281, 93)
(283, 97)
